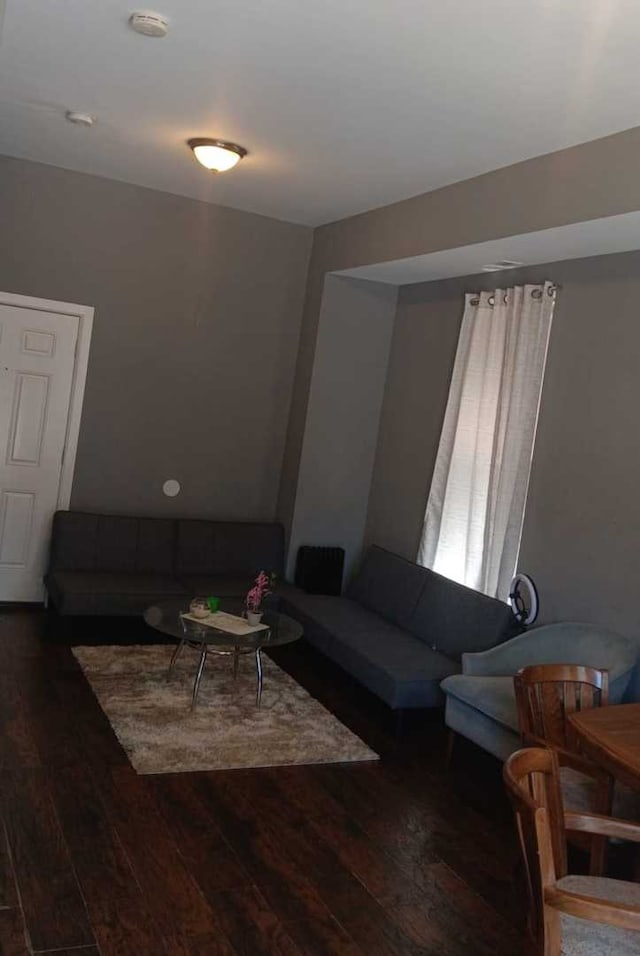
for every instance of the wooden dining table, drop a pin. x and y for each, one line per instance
(610, 736)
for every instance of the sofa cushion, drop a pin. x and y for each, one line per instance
(115, 543)
(388, 585)
(234, 548)
(156, 540)
(304, 608)
(337, 614)
(88, 542)
(73, 541)
(109, 592)
(393, 664)
(492, 696)
(454, 619)
(400, 669)
(316, 612)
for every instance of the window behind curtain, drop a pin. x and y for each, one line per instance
(475, 510)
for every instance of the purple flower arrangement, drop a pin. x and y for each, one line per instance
(263, 585)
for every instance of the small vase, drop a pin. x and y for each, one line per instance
(254, 617)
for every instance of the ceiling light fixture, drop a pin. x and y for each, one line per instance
(501, 265)
(216, 154)
(149, 24)
(80, 119)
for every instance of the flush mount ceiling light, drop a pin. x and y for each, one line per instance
(80, 119)
(149, 24)
(501, 265)
(216, 154)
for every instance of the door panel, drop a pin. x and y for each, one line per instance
(15, 528)
(30, 401)
(37, 354)
(38, 343)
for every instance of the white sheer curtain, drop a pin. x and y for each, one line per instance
(476, 506)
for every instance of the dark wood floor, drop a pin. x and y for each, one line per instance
(382, 859)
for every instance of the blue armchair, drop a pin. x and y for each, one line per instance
(480, 702)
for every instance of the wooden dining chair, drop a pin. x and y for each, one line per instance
(546, 695)
(568, 915)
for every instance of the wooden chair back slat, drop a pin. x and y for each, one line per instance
(546, 694)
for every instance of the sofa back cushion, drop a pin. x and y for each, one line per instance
(73, 541)
(452, 618)
(389, 585)
(91, 542)
(156, 545)
(229, 547)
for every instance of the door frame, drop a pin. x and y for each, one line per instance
(84, 314)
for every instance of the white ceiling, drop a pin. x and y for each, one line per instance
(344, 105)
(595, 237)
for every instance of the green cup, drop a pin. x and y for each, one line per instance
(214, 604)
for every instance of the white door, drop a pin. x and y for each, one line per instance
(37, 354)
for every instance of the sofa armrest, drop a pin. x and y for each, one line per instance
(563, 643)
(503, 660)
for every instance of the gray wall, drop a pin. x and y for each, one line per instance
(195, 336)
(590, 181)
(343, 414)
(421, 362)
(581, 536)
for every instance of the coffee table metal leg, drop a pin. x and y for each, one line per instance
(196, 683)
(175, 656)
(236, 661)
(259, 674)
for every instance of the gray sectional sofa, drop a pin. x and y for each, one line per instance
(111, 564)
(401, 628)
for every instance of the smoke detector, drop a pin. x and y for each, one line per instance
(149, 24)
(80, 119)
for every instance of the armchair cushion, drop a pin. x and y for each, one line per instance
(579, 792)
(492, 696)
(579, 795)
(582, 937)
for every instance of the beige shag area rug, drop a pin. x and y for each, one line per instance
(151, 717)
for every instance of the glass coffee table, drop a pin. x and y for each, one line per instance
(167, 618)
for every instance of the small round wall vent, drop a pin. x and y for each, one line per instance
(149, 24)
(171, 488)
